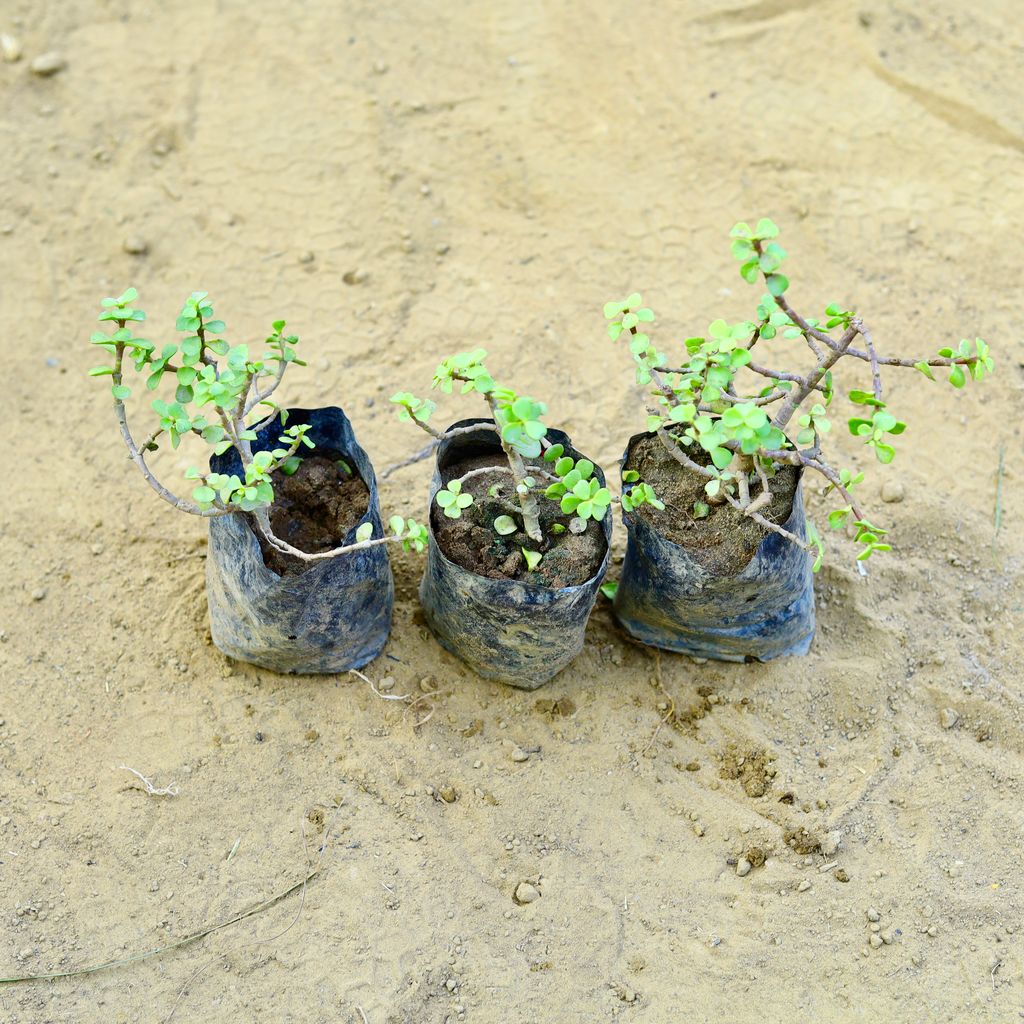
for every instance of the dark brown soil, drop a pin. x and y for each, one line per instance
(470, 541)
(724, 541)
(314, 508)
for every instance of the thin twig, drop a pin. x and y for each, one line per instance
(369, 682)
(169, 790)
(998, 515)
(187, 940)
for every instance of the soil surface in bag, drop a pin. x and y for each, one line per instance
(470, 541)
(724, 541)
(314, 508)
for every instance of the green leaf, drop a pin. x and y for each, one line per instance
(609, 590)
(532, 558)
(204, 495)
(505, 525)
(721, 457)
(365, 532)
(101, 371)
(121, 391)
(885, 452)
(956, 376)
(743, 249)
(777, 284)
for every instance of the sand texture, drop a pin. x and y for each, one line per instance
(403, 180)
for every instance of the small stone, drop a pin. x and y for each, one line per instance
(307, 256)
(893, 492)
(448, 794)
(47, 64)
(451, 984)
(743, 867)
(525, 893)
(26, 953)
(379, 67)
(10, 48)
(357, 276)
(518, 754)
(841, 875)
(948, 718)
(886, 937)
(386, 684)
(831, 843)
(427, 685)
(135, 246)
(932, 931)
(874, 915)
(312, 735)
(39, 594)
(97, 549)
(876, 941)
(803, 886)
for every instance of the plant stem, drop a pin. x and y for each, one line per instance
(527, 502)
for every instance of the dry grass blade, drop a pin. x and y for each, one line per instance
(187, 940)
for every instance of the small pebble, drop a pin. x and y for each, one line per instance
(451, 984)
(518, 754)
(803, 886)
(841, 875)
(875, 941)
(893, 492)
(38, 595)
(526, 893)
(743, 867)
(10, 48)
(386, 684)
(932, 931)
(47, 64)
(948, 718)
(448, 794)
(831, 843)
(306, 256)
(874, 915)
(135, 245)
(357, 276)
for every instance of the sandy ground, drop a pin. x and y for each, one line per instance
(491, 173)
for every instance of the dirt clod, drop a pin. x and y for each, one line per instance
(749, 768)
(723, 541)
(568, 559)
(314, 508)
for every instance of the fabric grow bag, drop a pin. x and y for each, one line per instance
(667, 599)
(333, 616)
(508, 630)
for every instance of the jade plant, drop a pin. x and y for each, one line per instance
(537, 469)
(216, 386)
(749, 419)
